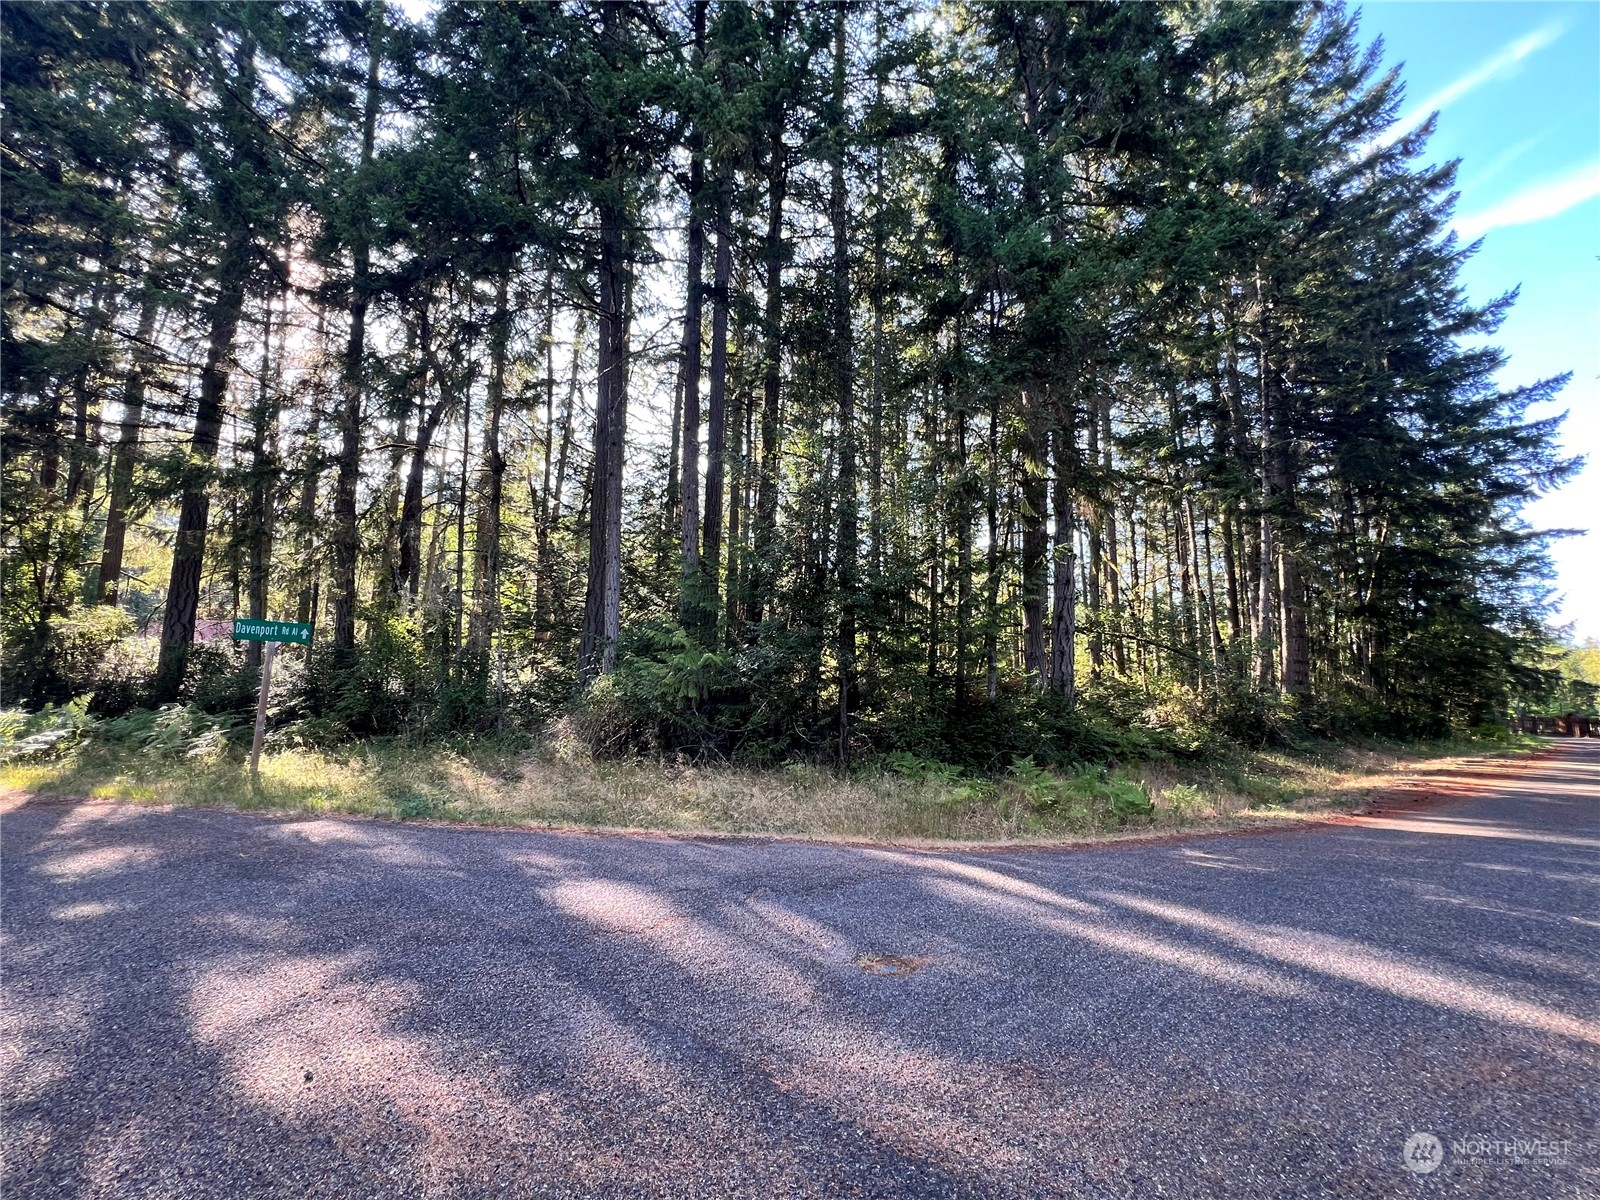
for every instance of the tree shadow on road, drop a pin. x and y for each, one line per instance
(209, 1003)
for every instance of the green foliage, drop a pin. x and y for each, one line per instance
(389, 685)
(180, 731)
(1184, 797)
(667, 696)
(13, 724)
(86, 648)
(1562, 679)
(217, 681)
(417, 806)
(1128, 801)
(952, 784)
(172, 732)
(52, 731)
(908, 766)
(985, 735)
(82, 642)
(1495, 734)
(1088, 794)
(1582, 663)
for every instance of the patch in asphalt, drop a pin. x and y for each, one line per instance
(890, 964)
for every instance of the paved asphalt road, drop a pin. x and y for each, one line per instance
(214, 1004)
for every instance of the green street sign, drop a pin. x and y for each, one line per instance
(271, 631)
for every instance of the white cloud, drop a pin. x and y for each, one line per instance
(1536, 203)
(1500, 162)
(1485, 72)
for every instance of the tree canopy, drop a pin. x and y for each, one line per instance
(754, 379)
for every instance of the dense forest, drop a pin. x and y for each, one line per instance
(754, 380)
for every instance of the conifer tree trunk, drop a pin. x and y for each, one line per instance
(716, 413)
(86, 400)
(305, 519)
(934, 572)
(1035, 517)
(459, 605)
(1182, 536)
(1096, 565)
(766, 522)
(409, 571)
(1214, 620)
(258, 525)
(346, 537)
(1136, 586)
(1112, 564)
(120, 489)
(545, 608)
(390, 586)
(541, 499)
(991, 624)
(875, 522)
(1266, 364)
(1249, 516)
(189, 544)
(491, 493)
(602, 592)
(690, 582)
(1222, 407)
(736, 454)
(1064, 628)
(1294, 638)
(964, 517)
(844, 384)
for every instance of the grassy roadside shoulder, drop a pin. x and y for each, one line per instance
(899, 799)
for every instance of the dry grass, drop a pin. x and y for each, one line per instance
(795, 799)
(484, 784)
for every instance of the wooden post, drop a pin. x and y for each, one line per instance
(261, 707)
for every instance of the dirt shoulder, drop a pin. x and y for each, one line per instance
(1237, 794)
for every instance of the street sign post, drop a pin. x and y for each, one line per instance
(270, 632)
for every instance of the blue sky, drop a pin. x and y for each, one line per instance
(1517, 89)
